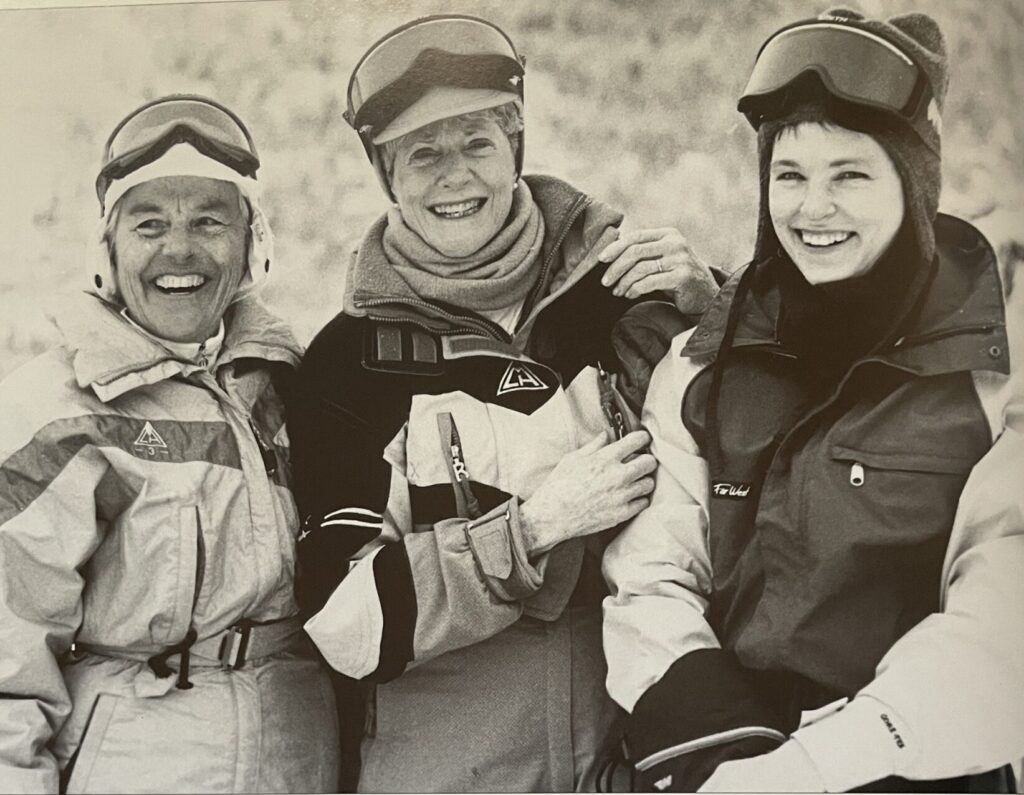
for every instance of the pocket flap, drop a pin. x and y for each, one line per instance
(493, 549)
(908, 461)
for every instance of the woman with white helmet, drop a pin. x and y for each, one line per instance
(459, 433)
(149, 637)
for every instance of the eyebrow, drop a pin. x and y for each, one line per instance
(846, 161)
(144, 207)
(213, 204)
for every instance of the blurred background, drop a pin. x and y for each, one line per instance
(633, 101)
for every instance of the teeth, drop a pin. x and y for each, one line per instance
(824, 238)
(188, 282)
(458, 209)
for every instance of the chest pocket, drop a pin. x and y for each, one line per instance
(888, 498)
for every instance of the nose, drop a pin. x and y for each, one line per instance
(818, 202)
(454, 170)
(177, 242)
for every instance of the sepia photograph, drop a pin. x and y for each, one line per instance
(511, 396)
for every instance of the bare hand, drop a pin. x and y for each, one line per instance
(649, 260)
(591, 489)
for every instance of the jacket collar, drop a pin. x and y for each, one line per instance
(960, 326)
(111, 357)
(372, 282)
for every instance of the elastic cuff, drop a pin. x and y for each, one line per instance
(496, 541)
(865, 741)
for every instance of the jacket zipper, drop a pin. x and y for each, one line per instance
(581, 204)
(609, 406)
(266, 451)
(468, 324)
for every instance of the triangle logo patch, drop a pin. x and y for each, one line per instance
(519, 378)
(149, 437)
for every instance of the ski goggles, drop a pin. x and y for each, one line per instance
(148, 132)
(853, 64)
(450, 50)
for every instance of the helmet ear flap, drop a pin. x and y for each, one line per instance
(99, 263)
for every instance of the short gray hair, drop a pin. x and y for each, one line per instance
(508, 117)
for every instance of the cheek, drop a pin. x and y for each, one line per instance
(780, 208)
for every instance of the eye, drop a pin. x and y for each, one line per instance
(209, 222)
(788, 176)
(852, 175)
(151, 227)
(480, 145)
(422, 156)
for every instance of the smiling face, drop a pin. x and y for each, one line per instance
(453, 181)
(835, 198)
(180, 249)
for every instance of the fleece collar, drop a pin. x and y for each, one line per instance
(112, 357)
(960, 326)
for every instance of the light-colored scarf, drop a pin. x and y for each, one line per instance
(496, 276)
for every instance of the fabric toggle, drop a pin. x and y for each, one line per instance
(158, 662)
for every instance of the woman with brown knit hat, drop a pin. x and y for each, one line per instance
(826, 591)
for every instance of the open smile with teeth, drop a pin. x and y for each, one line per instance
(822, 239)
(457, 209)
(179, 285)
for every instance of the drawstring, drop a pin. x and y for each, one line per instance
(714, 445)
(158, 662)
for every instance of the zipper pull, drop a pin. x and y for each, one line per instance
(608, 404)
(856, 475)
(266, 451)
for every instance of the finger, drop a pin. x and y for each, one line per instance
(633, 507)
(641, 465)
(628, 259)
(640, 270)
(613, 250)
(640, 488)
(665, 282)
(628, 444)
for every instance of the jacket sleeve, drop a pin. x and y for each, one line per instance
(48, 531)
(691, 704)
(381, 593)
(946, 698)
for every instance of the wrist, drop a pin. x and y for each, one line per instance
(533, 531)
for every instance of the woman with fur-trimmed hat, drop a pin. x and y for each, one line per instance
(149, 636)
(826, 591)
(459, 433)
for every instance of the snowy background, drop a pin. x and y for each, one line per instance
(633, 102)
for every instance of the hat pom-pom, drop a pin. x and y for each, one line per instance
(923, 29)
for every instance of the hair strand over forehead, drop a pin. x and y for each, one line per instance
(508, 117)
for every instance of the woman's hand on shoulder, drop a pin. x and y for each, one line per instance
(651, 260)
(593, 488)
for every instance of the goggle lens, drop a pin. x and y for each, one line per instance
(151, 124)
(854, 64)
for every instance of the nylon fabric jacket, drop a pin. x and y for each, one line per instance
(864, 597)
(136, 504)
(417, 431)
